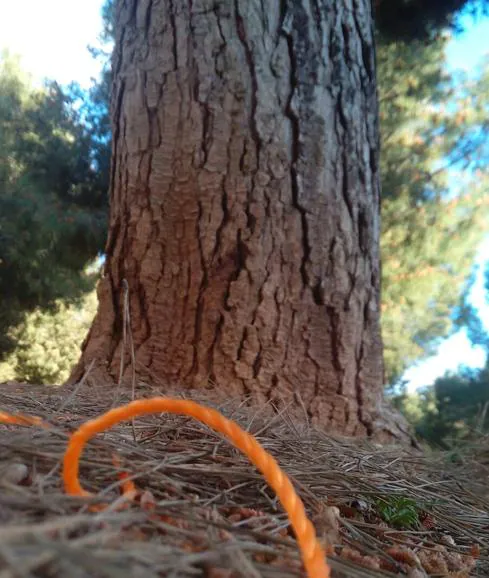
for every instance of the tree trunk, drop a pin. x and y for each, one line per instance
(245, 205)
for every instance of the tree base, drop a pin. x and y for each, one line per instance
(385, 425)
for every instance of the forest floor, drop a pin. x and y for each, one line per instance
(204, 510)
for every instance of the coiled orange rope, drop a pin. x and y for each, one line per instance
(313, 555)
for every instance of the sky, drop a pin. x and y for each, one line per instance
(467, 48)
(52, 37)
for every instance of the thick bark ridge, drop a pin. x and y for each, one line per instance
(245, 204)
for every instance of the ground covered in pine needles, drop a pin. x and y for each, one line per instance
(205, 511)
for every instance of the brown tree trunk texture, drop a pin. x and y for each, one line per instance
(245, 205)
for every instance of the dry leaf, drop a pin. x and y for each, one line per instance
(147, 501)
(327, 524)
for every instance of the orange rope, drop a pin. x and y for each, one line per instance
(128, 486)
(313, 555)
(20, 419)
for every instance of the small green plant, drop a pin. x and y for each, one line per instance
(398, 511)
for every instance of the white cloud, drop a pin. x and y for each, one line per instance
(453, 352)
(457, 350)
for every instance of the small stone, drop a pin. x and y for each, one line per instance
(14, 473)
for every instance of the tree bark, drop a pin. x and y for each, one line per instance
(245, 205)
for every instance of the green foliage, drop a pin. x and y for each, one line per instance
(462, 401)
(48, 342)
(468, 318)
(398, 511)
(54, 175)
(453, 410)
(53, 198)
(456, 407)
(417, 407)
(108, 18)
(433, 213)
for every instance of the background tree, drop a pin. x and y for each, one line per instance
(435, 193)
(53, 199)
(452, 410)
(456, 407)
(467, 316)
(47, 341)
